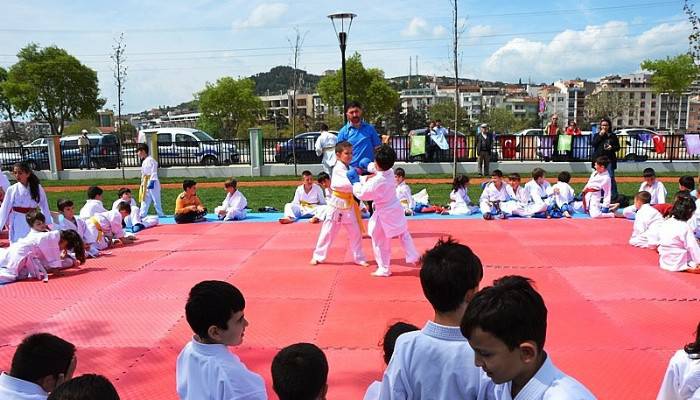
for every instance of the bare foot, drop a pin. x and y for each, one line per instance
(285, 220)
(314, 261)
(362, 263)
(314, 220)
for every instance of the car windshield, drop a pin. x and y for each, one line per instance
(203, 136)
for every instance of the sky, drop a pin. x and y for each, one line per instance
(174, 48)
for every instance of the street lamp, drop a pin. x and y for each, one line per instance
(342, 31)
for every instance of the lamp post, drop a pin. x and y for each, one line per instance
(342, 28)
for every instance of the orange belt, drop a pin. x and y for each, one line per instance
(350, 200)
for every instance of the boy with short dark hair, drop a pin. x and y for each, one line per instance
(233, 206)
(654, 186)
(688, 183)
(646, 222)
(506, 325)
(37, 222)
(321, 212)
(150, 185)
(93, 204)
(188, 206)
(134, 221)
(307, 197)
(106, 229)
(86, 387)
(536, 190)
(495, 193)
(300, 372)
(597, 192)
(450, 276)
(206, 369)
(561, 197)
(41, 363)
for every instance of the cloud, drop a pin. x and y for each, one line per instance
(594, 51)
(419, 27)
(477, 33)
(262, 15)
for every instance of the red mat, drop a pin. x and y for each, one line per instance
(615, 318)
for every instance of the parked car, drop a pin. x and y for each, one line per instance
(636, 144)
(302, 147)
(104, 153)
(187, 146)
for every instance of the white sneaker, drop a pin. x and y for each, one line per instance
(382, 272)
(362, 263)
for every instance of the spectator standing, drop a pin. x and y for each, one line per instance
(436, 140)
(484, 145)
(84, 146)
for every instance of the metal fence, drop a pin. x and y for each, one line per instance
(9, 156)
(285, 151)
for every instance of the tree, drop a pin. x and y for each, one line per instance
(500, 120)
(445, 112)
(607, 103)
(6, 107)
(367, 86)
(53, 86)
(227, 105)
(119, 70)
(694, 37)
(672, 76)
(414, 119)
(76, 127)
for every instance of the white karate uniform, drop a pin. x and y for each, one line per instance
(212, 372)
(460, 203)
(19, 195)
(537, 197)
(149, 167)
(657, 191)
(682, 378)
(433, 363)
(387, 221)
(340, 214)
(4, 182)
(12, 388)
(135, 216)
(91, 208)
(565, 194)
(645, 232)
(321, 212)
(517, 203)
(79, 226)
(678, 249)
(549, 383)
(325, 145)
(304, 204)
(373, 391)
(234, 205)
(403, 193)
(492, 194)
(110, 227)
(37, 253)
(600, 181)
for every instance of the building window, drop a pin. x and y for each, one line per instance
(641, 113)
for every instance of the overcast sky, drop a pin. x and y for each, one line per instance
(175, 47)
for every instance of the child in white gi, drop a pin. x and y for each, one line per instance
(596, 194)
(460, 203)
(682, 378)
(4, 185)
(518, 198)
(388, 220)
(561, 196)
(134, 220)
(687, 182)
(93, 204)
(325, 147)
(536, 189)
(412, 204)
(437, 362)
(678, 249)
(307, 197)
(388, 344)
(514, 357)
(645, 232)
(656, 189)
(68, 221)
(344, 211)
(206, 369)
(495, 193)
(150, 185)
(320, 213)
(22, 197)
(233, 206)
(105, 229)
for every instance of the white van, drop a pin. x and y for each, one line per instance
(187, 146)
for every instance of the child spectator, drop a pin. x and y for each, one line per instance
(93, 205)
(678, 249)
(597, 192)
(22, 197)
(233, 206)
(134, 221)
(324, 181)
(460, 203)
(105, 229)
(85, 387)
(388, 344)
(388, 220)
(536, 190)
(562, 197)
(41, 363)
(307, 197)
(506, 325)
(188, 207)
(68, 221)
(682, 379)
(646, 223)
(325, 147)
(688, 183)
(150, 185)
(206, 369)
(494, 194)
(410, 204)
(437, 362)
(300, 372)
(343, 211)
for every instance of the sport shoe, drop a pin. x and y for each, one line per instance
(362, 263)
(382, 272)
(502, 216)
(488, 216)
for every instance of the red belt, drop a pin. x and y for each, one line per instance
(23, 210)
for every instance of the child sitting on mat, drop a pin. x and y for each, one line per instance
(561, 197)
(682, 378)
(678, 249)
(408, 201)
(595, 196)
(233, 206)
(518, 198)
(656, 189)
(536, 189)
(134, 221)
(300, 371)
(494, 195)
(307, 197)
(324, 181)
(687, 182)
(188, 206)
(645, 231)
(93, 204)
(388, 344)
(106, 229)
(460, 203)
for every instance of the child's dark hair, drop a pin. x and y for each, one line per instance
(306, 173)
(85, 387)
(231, 183)
(32, 180)
(694, 347)
(124, 206)
(339, 147)
(514, 176)
(299, 372)
(75, 243)
(393, 333)
(511, 310)
(564, 176)
(687, 182)
(143, 147)
(538, 173)
(448, 271)
(323, 127)
(188, 183)
(34, 216)
(603, 160)
(643, 196)
(61, 204)
(459, 181)
(41, 355)
(400, 172)
(497, 172)
(93, 192)
(649, 173)
(384, 157)
(123, 191)
(212, 303)
(683, 208)
(322, 176)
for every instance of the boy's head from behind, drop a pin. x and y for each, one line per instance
(642, 198)
(506, 325)
(564, 176)
(683, 208)
(44, 359)
(94, 193)
(214, 311)
(384, 157)
(389, 342)
(450, 275)
(300, 372)
(85, 387)
(66, 207)
(686, 183)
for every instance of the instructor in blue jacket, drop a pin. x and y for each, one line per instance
(361, 135)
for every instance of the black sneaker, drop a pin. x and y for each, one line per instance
(488, 216)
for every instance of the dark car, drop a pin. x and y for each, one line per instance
(103, 153)
(302, 147)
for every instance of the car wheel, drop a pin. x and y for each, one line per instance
(209, 160)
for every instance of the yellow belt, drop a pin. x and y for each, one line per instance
(307, 204)
(100, 232)
(143, 188)
(350, 200)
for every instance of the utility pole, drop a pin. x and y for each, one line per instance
(119, 70)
